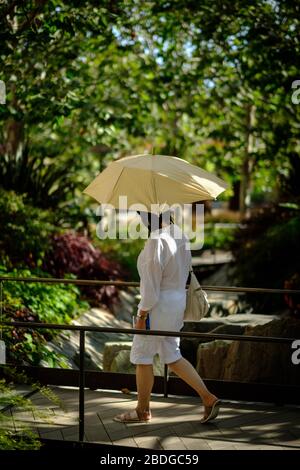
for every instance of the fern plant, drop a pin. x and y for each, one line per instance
(45, 183)
(24, 438)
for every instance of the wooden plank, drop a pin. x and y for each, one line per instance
(126, 441)
(51, 434)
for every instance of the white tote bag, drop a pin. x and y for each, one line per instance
(197, 304)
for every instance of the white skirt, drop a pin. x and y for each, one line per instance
(166, 315)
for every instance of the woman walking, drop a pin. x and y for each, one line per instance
(163, 266)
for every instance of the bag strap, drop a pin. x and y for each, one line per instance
(192, 271)
(191, 268)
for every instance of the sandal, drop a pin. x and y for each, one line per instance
(213, 412)
(133, 417)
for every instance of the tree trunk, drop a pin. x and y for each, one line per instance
(247, 164)
(14, 130)
(14, 137)
(234, 202)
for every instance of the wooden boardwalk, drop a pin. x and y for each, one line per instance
(175, 423)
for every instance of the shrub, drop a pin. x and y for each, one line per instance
(9, 439)
(45, 181)
(293, 301)
(25, 231)
(267, 253)
(28, 302)
(53, 303)
(123, 251)
(218, 237)
(74, 253)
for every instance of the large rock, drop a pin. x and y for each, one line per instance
(211, 358)
(66, 343)
(189, 346)
(116, 358)
(127, 304)
(246, 361)
(264, 362)
(203, 326)
(229, 329)
(89, 363)
(121, 362)
(242, 319)
(111, 349)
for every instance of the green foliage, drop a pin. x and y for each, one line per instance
(27, 229)
(45, 182)
(267, 254)
(54, 303)
(180, 76)
(23, 439)
(9, 438)
(124, 252)
(292, 300)
(49, 303)
(218, 237)
(74, 253)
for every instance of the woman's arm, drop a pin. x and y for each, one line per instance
(151, 269)
(150, 279)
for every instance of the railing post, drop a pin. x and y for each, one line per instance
(166, 381)
(81, 384)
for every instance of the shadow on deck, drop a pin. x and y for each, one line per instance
(175, 424)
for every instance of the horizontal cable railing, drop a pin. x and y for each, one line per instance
(182, 334)
(91, 282)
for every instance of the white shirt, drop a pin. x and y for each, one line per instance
(163, 264)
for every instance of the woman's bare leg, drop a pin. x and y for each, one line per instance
(144, 383)
(188, 373)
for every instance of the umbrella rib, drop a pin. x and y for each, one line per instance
(153, 181)
(115, 185)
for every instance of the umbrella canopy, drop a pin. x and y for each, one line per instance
(154, 179)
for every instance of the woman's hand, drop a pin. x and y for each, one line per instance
(140, 323)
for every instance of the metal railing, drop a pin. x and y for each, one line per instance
(90, 282)
(182, 334)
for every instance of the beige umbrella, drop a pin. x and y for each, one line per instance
(154, 179)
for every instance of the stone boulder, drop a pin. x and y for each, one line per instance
(203, 326)
(211, 358)
(229, 329)
(127, 304)
(121, 362)
(189, 346)
(264, 362)
(111, 349)
(116, 358)
(89, 363)
(245, 361)
(208, 324)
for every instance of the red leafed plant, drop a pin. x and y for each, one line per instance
(293, 301)
(74, 253)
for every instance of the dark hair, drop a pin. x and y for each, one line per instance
(156, 220)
